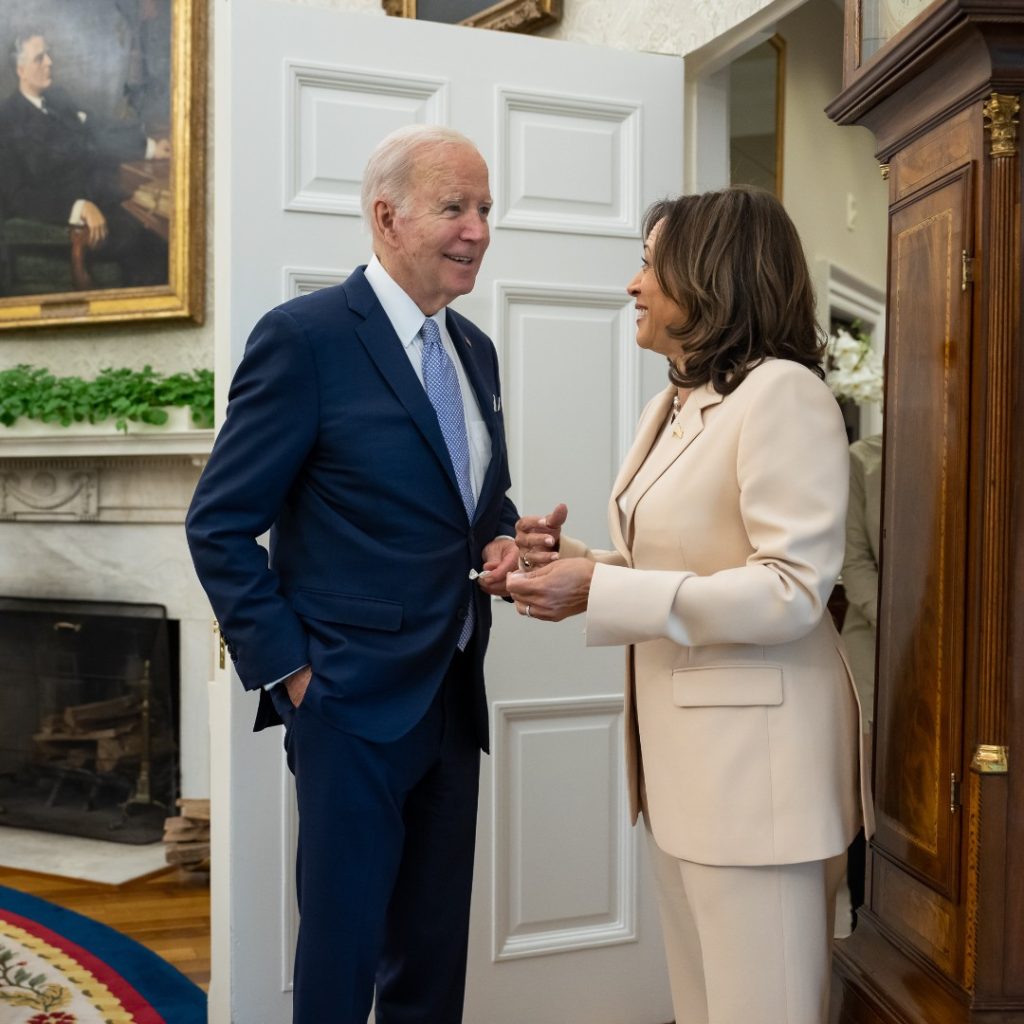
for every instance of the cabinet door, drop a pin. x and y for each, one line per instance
(921, 616)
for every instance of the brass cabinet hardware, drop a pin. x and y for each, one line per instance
(991, 759)
(1000, 113)
(966, 270)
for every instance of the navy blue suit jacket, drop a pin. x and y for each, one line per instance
(331, 443)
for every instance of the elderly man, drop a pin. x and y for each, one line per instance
(60, 166)
(363, 429)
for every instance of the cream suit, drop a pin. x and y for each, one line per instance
(728, 528)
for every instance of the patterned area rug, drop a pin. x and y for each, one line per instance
(58, 967)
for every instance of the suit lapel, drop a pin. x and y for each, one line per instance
(646, 432)
(486, 399)
(384, 348)
(649, 461)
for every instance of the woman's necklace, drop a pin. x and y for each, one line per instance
(677, 429)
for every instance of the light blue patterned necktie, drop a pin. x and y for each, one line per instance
(442, 386)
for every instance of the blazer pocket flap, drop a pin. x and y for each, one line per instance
(348, 609)
(727, 686)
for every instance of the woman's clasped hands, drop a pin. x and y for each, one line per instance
(547, 586)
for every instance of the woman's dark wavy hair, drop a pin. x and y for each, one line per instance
(733, 262)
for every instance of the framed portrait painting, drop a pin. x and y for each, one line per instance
(505, 15)
(102, 161)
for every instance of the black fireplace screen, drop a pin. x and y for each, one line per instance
(88, 709)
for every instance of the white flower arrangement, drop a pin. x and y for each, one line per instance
(853, 367)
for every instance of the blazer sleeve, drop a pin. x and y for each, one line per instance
(508, 517)
(570, 547)
(860, 567)
(792, 469)
(271, 426)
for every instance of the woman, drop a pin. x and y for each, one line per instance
(727, 519)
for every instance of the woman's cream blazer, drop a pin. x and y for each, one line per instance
(738, 698)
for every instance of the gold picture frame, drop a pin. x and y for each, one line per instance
(148, 260)
(504, 16)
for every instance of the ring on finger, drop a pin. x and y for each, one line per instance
(527, 564)
(529, 613)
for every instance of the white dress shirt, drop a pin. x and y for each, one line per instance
(407, 320)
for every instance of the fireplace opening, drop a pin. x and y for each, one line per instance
(88, 718)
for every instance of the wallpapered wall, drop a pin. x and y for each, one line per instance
(673, 26)
(660, 26)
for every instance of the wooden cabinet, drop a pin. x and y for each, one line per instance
(941, 938)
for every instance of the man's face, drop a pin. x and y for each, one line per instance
(433, 246)
(35, 67)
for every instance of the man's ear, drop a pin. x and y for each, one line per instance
(383, 219)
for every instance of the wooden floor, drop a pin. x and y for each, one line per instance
(166, 913)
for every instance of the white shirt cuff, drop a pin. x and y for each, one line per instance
(271, 685)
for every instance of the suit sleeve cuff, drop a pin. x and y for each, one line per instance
(629, 606)
(570, 547)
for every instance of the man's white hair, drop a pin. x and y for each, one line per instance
(21, 40)
(389, 170)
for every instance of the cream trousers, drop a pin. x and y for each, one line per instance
(748, 945)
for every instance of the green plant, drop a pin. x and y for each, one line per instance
(124, 395)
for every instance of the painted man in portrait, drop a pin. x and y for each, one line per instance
(59, 165)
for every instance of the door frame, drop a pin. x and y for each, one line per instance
(706, 97)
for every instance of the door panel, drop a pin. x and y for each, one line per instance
(578, 140)
(923, 585)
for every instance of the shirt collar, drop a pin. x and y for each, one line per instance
(36, 101)
(405, 316)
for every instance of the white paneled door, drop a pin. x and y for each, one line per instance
(578, 140)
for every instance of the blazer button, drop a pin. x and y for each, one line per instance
(461, 614)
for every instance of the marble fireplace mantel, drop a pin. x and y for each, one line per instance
(98, 489)
(33, 439)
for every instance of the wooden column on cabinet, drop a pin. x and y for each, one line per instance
(941, 937)
(995, 964)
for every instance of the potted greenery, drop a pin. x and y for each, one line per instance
(143, 397)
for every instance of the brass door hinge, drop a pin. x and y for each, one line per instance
(954, 792)
(223, 646)
(966, 270)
